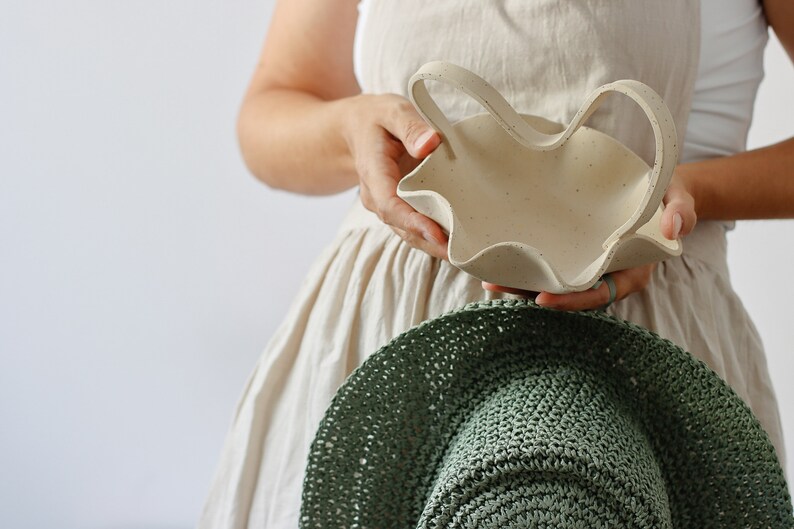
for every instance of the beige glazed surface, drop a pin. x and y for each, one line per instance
(536, 205)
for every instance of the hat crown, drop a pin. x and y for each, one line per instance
(534, 446)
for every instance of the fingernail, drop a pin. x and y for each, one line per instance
(421, 140)
(677, 223)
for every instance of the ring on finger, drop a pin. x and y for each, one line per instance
(613, 289)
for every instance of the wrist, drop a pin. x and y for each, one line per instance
(349, 117)
(343, 115)
(687, 174)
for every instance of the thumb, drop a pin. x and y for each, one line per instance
(420, 144)
(678, 218)
(405, 124)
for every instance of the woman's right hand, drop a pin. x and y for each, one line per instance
(305, 127)
(388, 138)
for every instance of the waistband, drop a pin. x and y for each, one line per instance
(707, 243)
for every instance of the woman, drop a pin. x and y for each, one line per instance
(324, 113)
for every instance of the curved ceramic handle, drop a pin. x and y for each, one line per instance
(482, 92)
(477, 88)
(664, 134)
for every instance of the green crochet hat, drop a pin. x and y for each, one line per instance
(505, 414)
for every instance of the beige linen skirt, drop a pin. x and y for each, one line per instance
(368, 286)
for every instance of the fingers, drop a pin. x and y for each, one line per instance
(397, 213)
(379, 143)
(436, 250)
(404, 123)
(678, 218)
(626, 282)
(588, 299)
(379, 174)
(509, 290)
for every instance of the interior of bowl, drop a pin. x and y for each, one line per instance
(564, 202)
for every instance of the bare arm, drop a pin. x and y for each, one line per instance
(305, 127)
(780, 15)
(757, 184)
(293, 109)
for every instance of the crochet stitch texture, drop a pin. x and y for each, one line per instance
(506, 414)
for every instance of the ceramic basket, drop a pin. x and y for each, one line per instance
(533, 204)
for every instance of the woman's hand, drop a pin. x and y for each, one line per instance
(387, 138)
(678, 220)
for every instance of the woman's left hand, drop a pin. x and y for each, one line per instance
(678, 220)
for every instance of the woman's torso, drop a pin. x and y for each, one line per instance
(728, 61)
(546, 56)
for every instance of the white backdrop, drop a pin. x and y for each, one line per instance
(142, 269)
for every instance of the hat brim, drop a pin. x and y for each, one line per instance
(392, 420)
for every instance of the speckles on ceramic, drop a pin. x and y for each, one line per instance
(536, 205)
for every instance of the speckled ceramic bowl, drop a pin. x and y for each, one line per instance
(536, 205)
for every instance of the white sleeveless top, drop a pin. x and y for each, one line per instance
(733, 38)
